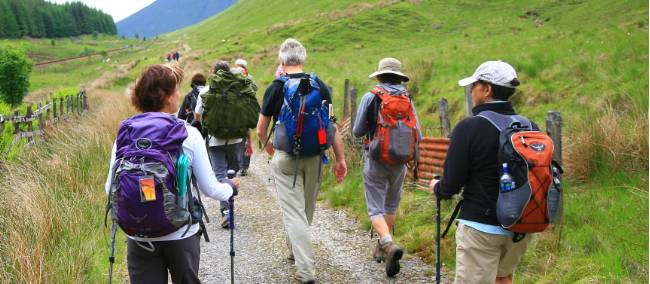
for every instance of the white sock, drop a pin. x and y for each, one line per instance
(385, 239)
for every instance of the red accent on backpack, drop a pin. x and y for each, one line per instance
(536, 148)
(396, 138)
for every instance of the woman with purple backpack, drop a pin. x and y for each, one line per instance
(145, 188)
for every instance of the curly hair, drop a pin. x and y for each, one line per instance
(156, 83)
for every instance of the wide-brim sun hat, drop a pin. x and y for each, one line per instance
(389, 66)
(496, 72)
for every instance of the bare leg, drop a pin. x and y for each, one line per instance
(504, 280)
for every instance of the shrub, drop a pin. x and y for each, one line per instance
(15, 69)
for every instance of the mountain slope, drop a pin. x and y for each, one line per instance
(169, 15)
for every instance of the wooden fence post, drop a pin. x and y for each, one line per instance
(41, 123)
(469, 104)
(79, 102)
(55, 116)
(346, 98)
(2, 123)
(16, 124)
(445, 124)
(48, 112)
(554, 129)
(353, 104)
(30, 124)
(85, 101)
(61, 108)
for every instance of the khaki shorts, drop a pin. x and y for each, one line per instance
(481, 257)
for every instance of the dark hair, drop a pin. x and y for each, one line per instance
(156, 83)
(502, 93)
(198, 80)
(390, 78)
(221, 65)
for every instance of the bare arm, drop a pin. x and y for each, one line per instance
(262, 128)
(341, 168)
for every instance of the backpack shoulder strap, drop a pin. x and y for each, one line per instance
(380, 92)
(503, 122)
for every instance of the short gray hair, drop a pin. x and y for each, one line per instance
(292, 52)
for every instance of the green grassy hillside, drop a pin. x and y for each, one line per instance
(588, 59)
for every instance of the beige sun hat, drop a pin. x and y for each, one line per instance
(389, 65)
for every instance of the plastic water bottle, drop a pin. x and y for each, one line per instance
(505, 182)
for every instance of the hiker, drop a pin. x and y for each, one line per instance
(169, 57)
(245, 153)
(186, 111)
(297, 164)
(177, 55)
(220, 119)
(485, 251)
(383, 178)
(158, 243)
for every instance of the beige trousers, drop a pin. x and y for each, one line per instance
(298, 204)
(481, 257)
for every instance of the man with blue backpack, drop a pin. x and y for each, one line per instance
(300, 106)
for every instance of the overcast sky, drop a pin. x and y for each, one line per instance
(119, 9)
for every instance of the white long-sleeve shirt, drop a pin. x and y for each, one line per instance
(194, 148)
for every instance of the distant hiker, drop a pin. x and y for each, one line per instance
(177, 55)
(169, 57)
(485, 251)
(186, 111)
(299, 104)
(228, 110)
(388, 104)
(148, 183)
(241, 67)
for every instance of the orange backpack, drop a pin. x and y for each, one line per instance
(532, 202)
(396, 138)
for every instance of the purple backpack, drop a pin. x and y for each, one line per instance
(144, 189)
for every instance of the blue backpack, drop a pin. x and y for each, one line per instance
(303, 127)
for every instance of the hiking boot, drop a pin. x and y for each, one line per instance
(393, 254)
(243, 173)
(291, 257)
(305, 281)
(378, 253)
(225, 221)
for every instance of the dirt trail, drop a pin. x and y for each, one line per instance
(342, 248)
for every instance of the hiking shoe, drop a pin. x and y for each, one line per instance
(225, 222)
(243, 173)
(291, 257)
(378, 253)
(393, 254)
(305, 281)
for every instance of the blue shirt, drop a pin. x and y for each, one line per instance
(485, 228)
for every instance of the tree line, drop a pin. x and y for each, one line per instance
(38, 19)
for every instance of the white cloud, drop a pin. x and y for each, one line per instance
(119, 9)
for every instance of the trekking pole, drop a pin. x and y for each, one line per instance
(437, 240)
(231, 223)
(437, 234)
(111, 258)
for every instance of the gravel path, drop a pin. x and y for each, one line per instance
(342, 249)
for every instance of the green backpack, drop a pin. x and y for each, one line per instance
(230, 107)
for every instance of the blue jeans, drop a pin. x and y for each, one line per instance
(224, 158)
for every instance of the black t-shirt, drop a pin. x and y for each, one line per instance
(274, 95)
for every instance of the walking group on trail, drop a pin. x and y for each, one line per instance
(500, 159)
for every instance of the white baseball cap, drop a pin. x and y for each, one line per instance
(241, 62)
(495, 72)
